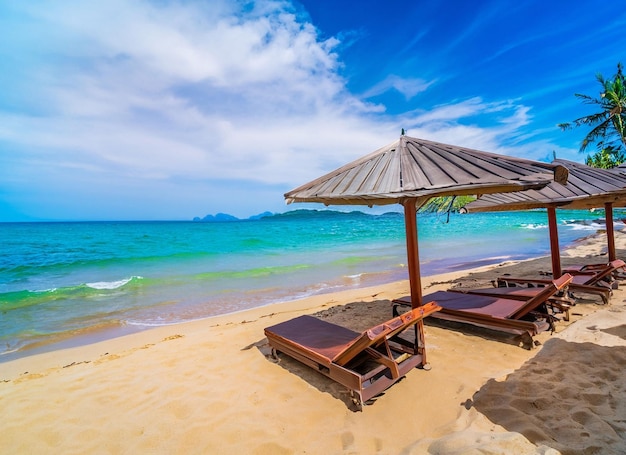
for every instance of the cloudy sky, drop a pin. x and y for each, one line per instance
(152, 110)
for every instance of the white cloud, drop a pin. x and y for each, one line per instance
(409, 87)
(132, 94)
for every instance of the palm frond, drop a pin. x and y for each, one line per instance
(565, 126)
(591, 119)
(597, 134)
(588, 99)
(609, 125)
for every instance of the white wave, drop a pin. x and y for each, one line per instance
(151, 323)
(111, 284)
(585, 227)
(44, 291)
(355, 277)
(534, 226)
(582, 227)
(9, 351)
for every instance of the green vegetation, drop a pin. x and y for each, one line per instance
(609, 125)
(446, 204)
(606, 158)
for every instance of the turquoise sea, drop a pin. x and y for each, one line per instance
(66, 283)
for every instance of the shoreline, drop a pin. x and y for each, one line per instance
(93, 334)
(60, 317)
(206, 386)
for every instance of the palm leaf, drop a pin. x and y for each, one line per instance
(609, 124)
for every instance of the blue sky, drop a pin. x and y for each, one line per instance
(152, 110)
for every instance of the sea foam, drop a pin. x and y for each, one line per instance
(112, 284)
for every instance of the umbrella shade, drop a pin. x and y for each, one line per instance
(587, 187)
(410, 171)
(416, 168)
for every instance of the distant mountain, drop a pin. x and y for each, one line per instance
(221, 217)
(261, 215)
(217, 217)
(292, 214)
(328, 214)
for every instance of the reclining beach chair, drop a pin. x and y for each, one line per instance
(607, 272)
(366, 363)
(560, 302)
(497, 313)
(597, 281)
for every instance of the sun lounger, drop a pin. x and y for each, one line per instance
(558, 303)
(366, 363)
(614, 268)
(601, 291)
(596, 282)
(497, 313)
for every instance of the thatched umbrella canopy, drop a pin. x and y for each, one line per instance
(587, 187)
(410, 171)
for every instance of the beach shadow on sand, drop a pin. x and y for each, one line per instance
(482, 332)
(570, 396)
(618, 331)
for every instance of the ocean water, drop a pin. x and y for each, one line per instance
(66, 282)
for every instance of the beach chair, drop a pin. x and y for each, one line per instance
(521, 317)
(559, 303)
(596, 280)
(366, 363)
(614, 268)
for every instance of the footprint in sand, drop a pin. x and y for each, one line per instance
(347, 439)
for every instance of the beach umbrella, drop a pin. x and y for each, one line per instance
(410, 171)
(587, 187)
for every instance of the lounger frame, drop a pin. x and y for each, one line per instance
(367, 364)
(560, 304)
(506, 313)
(593, 279)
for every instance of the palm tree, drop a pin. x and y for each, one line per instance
(607, 158)
(609, 125)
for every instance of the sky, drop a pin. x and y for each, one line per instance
(168, 110)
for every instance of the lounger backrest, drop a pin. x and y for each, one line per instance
(604, 272)
(378, 334)
(617, 264)
(543, 296)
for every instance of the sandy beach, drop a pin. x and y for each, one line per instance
(209, 386)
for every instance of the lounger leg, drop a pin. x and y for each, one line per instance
(527, 341)
(274, 356)
(421, 344)
(357, 400)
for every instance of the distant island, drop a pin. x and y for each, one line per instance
(289, 215)
(222, 217)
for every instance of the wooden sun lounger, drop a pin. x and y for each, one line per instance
(562, 303)
(366, 363)
(613, 270)
(597, 282)
(601, 291)
(493, 312)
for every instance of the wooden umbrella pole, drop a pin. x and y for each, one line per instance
(554, 243)
(410, 223)
(610, 233)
